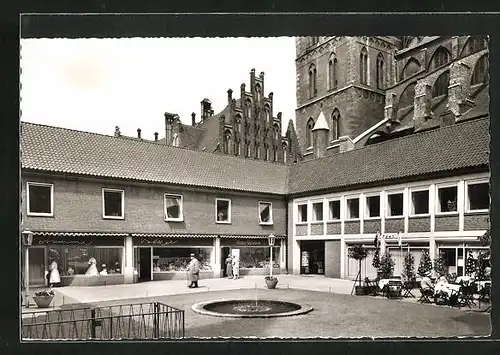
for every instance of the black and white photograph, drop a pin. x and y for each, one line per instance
(271, 187)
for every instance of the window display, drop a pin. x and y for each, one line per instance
(258, 257)
(177, 259)
(76, 260)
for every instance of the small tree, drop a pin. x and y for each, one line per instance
(409, 267)
(359, 253)
(376, 259)
(386, 266)
(470, 264)
(440, 265)
(482, 263)
(425, 264)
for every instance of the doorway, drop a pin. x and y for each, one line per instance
(224, 252)
(312, 259)
(36, 256)
(144, 264)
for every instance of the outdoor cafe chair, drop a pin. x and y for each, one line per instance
(372, 286)
(394, 289)
(407, 288)
(466, 296)
(425, 294)
(485, 294)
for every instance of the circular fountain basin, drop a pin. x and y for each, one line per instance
(250, 308)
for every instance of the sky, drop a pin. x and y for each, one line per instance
(96, 84)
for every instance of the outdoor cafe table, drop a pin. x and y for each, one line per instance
(383, 282)
(463, 279)
(447, 288)
(482, 284)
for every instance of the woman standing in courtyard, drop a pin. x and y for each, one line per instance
(229, 266)
(236, 267)
(55, 277)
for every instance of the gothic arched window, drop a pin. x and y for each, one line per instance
(309, 134)
(475, 44)
(440, 57)
(248, 108)
(480, 74)
(411, 68)
(363, 66)
(226, 142)
(380, 71)
(332, 72)
(276, 131)
(312, 81)
(441, 85)
(237, 123)
(284, 147)
(268, 114)
(257, 151)
(335, 127)
(258, 92)
(407, 96)
(247, 149)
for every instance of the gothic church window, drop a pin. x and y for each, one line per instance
(284, 148)
(363, 66)
(441, 85)
(407, 96)
(410, 69)
(258, 93)
(226, 142)
(380, 71)
(440, 57)
(248, 108)
(475, 44)
(332, 72)
(312, 81)
(309, 134)
(247, 149)
(275, 154)
(268, 114)
(276, 132)
(335, 128)
(480, 74)
(237, 124)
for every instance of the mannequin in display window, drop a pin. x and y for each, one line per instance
(92, 270)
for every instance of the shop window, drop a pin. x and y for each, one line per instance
(317, 211)
(40, 199)
(478, 197)
(352, 208)
(113, 203)
(420, 202)
(258, 258)
(79, 260)
(447, 199)
(373, 206)
(173, 207)
(302, 213)
(265, 213)
(395, 204)
(223, 210)
(334, 209)
(177, 259)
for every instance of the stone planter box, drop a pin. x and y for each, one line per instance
(271, 284)
(43, 301)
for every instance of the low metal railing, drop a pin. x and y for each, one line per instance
(129, 321)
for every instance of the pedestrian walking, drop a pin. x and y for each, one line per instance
(193, 272)
(55, 277)
(236, 267)
(229, 266)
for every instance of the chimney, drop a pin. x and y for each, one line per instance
(156, 136)
(139, 133)
(229, 96)
(206, 109)
(458, 88)
(193, 119)
(390, 100)
(422, 104)
(117, 131)
(320, 136)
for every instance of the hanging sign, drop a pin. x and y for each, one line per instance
(245, 242)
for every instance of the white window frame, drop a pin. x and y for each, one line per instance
(321, 202)
(411, 190)
(270, 213)
(388, 207)
(228, 210)
(181, 207)
(105, 189)
(347, 210)
(366, 214)
(438, 204)
(298, 221)
(39, 214)
(467, 201)
(340, 209)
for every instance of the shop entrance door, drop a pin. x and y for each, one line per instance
(144, 264)
(36, 266)
(312, 254)
(224, 252)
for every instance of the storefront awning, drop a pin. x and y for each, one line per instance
(78, 234)
(251, 236)
(165, 235)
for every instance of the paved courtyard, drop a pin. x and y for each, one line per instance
(336, 313)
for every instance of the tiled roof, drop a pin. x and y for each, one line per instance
(458, 146)
(63, 150)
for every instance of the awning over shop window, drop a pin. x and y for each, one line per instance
(79, 234)
(165, 235)
(251, 236)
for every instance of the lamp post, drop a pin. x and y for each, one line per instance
(271, 239)
(27, 240)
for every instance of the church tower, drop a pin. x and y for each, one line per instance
(345, 78)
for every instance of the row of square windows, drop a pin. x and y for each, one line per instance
(477, 200)
(40, 202)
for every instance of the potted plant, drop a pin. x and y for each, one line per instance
(271, 281)
(43, 298)
(359, 253)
